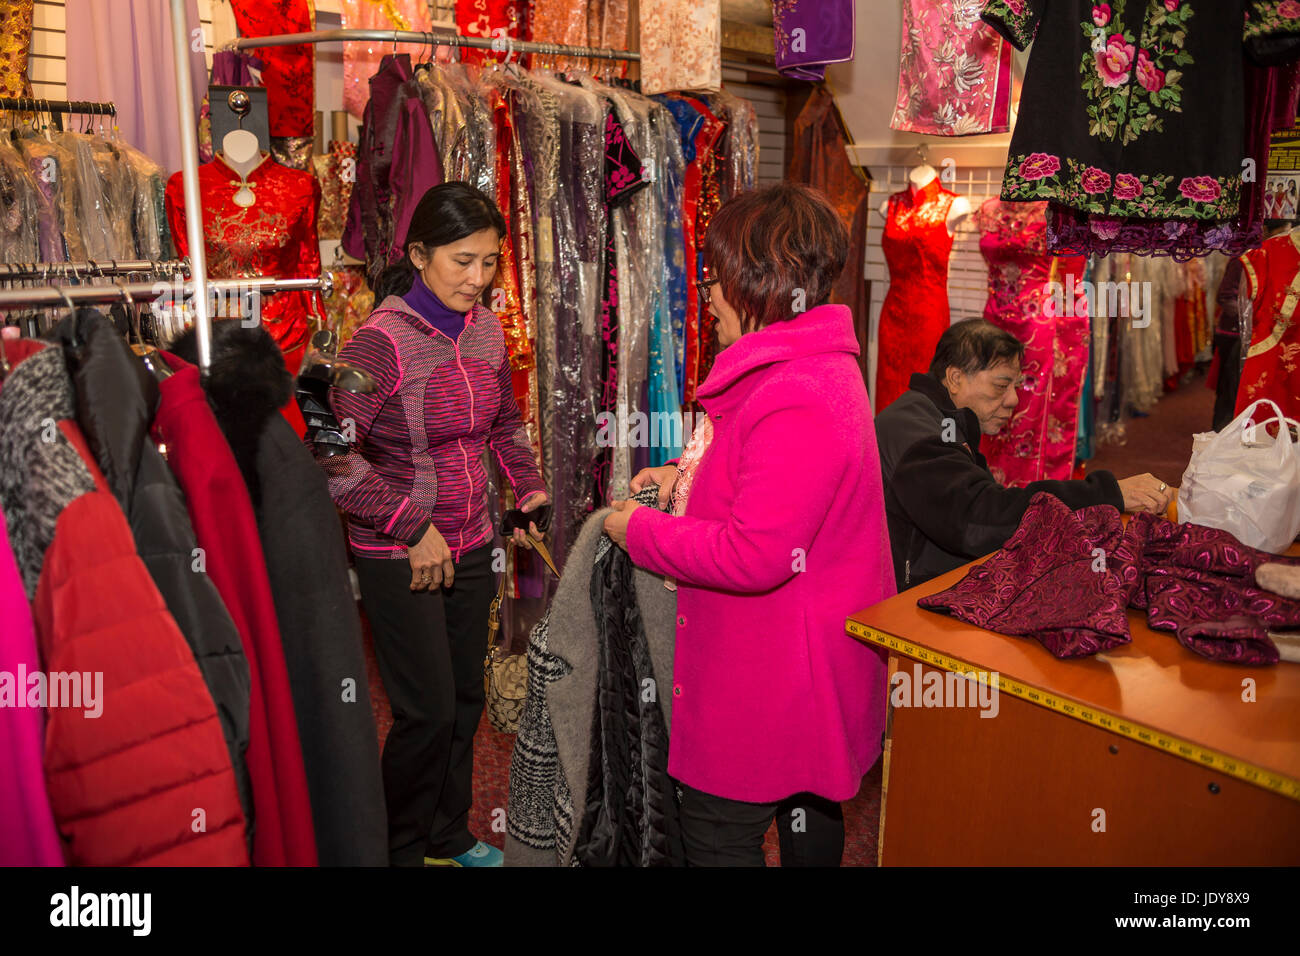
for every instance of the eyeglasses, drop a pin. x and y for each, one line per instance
(705, 286)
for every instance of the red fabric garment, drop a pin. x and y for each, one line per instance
(693, 201)
(275, 237)
(508, 305)
(915, 313)
(124, 785)
(707, 142)
(1272, 366)
(493, 19)
(288, 72)
(226, 529)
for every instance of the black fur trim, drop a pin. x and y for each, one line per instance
(247, 384)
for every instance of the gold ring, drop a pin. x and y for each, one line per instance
(1163, 486)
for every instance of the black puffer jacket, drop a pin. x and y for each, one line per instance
(116, 399)
(631, 805)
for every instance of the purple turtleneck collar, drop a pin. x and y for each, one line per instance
(421, 298)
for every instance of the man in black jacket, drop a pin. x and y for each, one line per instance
(943, 505)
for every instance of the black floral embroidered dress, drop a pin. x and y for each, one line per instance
(1133, 107)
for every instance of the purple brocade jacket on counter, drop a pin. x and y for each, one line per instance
(1066, 578)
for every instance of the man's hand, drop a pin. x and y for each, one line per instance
(1146, 493)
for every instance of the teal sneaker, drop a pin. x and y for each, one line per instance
(480, 854)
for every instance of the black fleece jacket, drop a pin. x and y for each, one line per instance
(943, 505)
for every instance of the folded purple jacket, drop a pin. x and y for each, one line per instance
(1066, 577)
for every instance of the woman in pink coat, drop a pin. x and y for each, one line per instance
(777, 712)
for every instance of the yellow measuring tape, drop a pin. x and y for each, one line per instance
(1203, 756)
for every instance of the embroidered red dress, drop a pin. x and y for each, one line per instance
(915, 312)
(275, 237)
(1027, 297)
(1272, 367)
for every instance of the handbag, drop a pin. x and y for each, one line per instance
(505, 676)
(1246, 482)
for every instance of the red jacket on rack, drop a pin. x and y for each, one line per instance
(226, 529)
(143, 776)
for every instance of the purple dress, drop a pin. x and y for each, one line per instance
(810, 34)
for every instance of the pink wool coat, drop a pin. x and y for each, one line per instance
(783, 537)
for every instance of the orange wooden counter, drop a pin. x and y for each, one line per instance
(1145, 755)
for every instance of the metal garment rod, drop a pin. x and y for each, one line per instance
(91, 269)
(57, 106)
(145, 293)
(452, 39)
(187, 130)
(430, 39)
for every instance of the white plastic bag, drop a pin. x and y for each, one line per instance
(1246, 482)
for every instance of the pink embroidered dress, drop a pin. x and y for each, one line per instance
(954, 77)
(1027, 288)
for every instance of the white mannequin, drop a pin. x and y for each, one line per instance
(239, 151)
(921, 176)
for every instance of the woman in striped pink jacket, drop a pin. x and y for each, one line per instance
(414, 490)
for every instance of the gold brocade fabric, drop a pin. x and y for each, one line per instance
(336, 171)
(15, 45)
(350, 304)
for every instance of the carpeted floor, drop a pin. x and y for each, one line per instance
(1160, 443)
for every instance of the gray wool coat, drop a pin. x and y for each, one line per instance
(570, 699)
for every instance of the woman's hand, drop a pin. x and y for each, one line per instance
(1146, 493)
(665, 476)
(431, 566)
(616, 521)
(531, 503)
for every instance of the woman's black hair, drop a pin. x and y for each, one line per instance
(445, 214)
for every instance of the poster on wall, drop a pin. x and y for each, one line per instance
(1282, 185)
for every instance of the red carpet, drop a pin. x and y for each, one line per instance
(1161, 443)
(487, 819)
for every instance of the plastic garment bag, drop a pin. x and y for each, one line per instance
(1245, 481)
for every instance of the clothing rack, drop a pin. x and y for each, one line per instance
(56, 108)
(91, 269)
(187, 127)
(149, 292)
(506, 45)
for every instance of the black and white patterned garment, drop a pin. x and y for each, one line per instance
(541, 811)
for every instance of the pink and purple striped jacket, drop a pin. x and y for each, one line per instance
(421, 434)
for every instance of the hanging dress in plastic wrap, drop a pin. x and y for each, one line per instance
(634, 222)
(149, 213)
(669, 320)
(739, 148)
(104, 197)
(579, 238)
(55, 169)
(537, 127)
(19, 235)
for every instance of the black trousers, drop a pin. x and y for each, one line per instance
(430, 647)
(722, 832)
(1225, 391)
